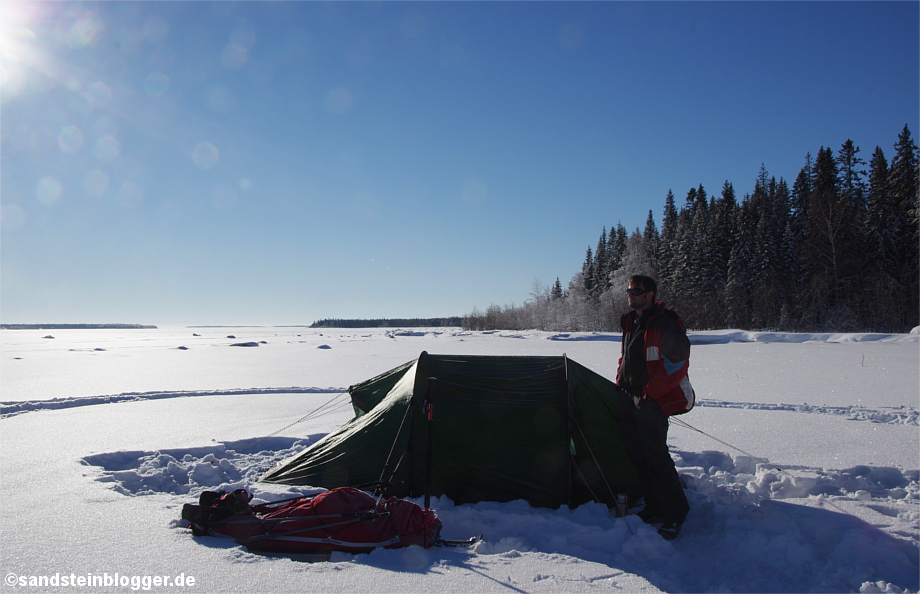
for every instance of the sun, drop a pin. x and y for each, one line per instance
(16, 43)
(15, 36)
(15, 19)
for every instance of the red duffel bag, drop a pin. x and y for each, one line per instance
(343, 519)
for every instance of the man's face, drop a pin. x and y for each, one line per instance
(639, 302)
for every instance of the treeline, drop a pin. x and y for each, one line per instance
(837, 251)
(76, 327)
(390, 323)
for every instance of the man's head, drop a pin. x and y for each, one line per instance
(641, 292)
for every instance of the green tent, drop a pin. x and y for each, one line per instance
(543, 429)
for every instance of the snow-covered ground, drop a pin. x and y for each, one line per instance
(106, 433)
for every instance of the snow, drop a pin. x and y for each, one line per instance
(801, 465)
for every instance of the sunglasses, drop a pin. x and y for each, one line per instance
(636, 291)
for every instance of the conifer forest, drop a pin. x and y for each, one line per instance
(837, 251)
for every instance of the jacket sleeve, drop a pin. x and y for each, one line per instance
(622, 347)
(672, 359)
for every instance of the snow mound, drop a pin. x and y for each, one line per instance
(585, 336)
(191, 471)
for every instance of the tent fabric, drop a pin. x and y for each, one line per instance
(542, 428)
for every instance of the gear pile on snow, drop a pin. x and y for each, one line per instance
(343, 519)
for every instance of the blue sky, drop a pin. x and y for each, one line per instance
(280, 163)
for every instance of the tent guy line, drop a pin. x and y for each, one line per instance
(686, 425)
(321, 410)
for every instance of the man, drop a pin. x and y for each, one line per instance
(652, 373)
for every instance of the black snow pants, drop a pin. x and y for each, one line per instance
(646, 433)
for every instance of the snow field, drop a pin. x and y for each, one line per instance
(124, 448)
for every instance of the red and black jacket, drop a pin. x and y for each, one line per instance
(667, 358)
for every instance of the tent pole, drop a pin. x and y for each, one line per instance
(428, 409)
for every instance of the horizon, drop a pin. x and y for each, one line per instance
(191, 161)
(148, 325)
(154, 326)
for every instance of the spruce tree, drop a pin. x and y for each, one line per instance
(801, 196)
(766, 211)
(717, 249)
(616, 248)
(589, 275)
(851, 175)
(904, 181)
(652, 240)
(786, 264)
(798, 234)
(903, 185)
(881, 224)
(791, 305)
(681, 281)
(738, 285)
(880, 231)
(555, 293)
(697, 286)
(667, 246)
(830, 231)
(601, 264)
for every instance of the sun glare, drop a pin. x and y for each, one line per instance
(15, 41)
(15, 18)
(28, 30)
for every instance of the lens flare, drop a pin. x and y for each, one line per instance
(80, 105)
(205, 155)
(70, 139)
(49, 190)
(99, 94)
(156, 84)
(83, 31)
(107, 149)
